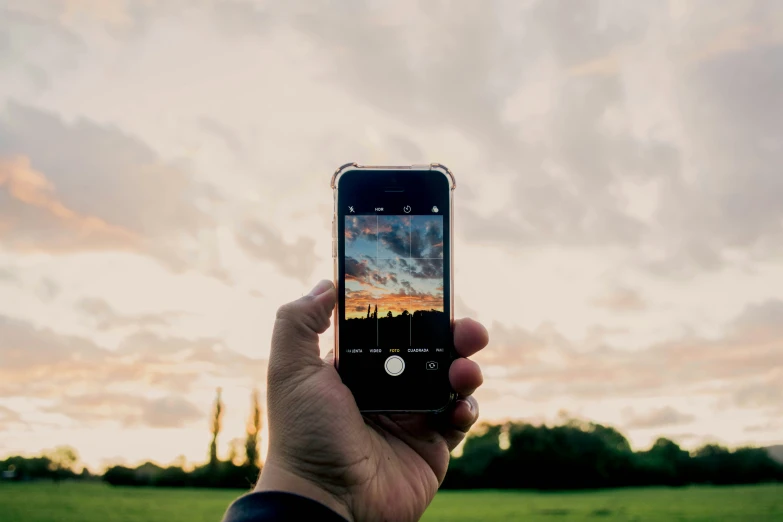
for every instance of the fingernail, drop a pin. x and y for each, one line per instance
(320, 288)
(470, 405)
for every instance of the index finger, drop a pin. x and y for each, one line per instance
(469, 337)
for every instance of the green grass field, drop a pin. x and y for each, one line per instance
(72, 502)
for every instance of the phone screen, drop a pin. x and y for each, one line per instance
(395, 341)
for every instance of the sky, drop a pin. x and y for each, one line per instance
(394, 263)
(164, 187)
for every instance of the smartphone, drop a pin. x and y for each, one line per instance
(392, 235)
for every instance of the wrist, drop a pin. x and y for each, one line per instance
(276, 477)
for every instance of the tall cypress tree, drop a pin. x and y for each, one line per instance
(253, 431)
(217, 422)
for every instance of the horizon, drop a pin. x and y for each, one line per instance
(189, 465)
(164, 188)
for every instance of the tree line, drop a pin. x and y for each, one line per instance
(514, 455)
(240, 470)
(585, 455)
(56, 464)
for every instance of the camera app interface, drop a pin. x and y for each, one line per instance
(395, 325)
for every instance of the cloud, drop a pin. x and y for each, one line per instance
(426, 237)
(8, 418)
(462, 309)
(562, 177)
(587, 107)
(147, 344)
(516, 346)
(406, 150)
(358, 271)
(23, 65)
(732, 200)
(8, 275)
(766, 427)
(568, 107)
(296, 259)
(767, 392)
(48, 289)
(621, 300)
(223, 133)
(106, 318)
(360, 227)
(170, 411)
(394, 236)
(426, 268)
(33, 204)
(398, 79)
(656, 418)
(739, 368)
(761, 318)
(81, 186)
(24, 347)
(42, 363)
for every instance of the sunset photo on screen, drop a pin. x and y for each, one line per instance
(394, 280)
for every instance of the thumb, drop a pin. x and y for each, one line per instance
(298, 323)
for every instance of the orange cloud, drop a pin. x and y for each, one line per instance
(86, 187)
(744, 367)
(42, 363)
(356, 303)
(32, 190)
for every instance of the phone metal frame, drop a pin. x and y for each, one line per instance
(436, 167)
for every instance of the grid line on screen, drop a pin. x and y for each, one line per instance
(377, 241)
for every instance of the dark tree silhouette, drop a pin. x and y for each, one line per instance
(253, 431)
(585, 455)
(215, 425)
(576, 455)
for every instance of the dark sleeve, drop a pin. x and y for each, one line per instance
(276, 506)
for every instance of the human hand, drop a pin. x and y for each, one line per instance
(366, 468)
